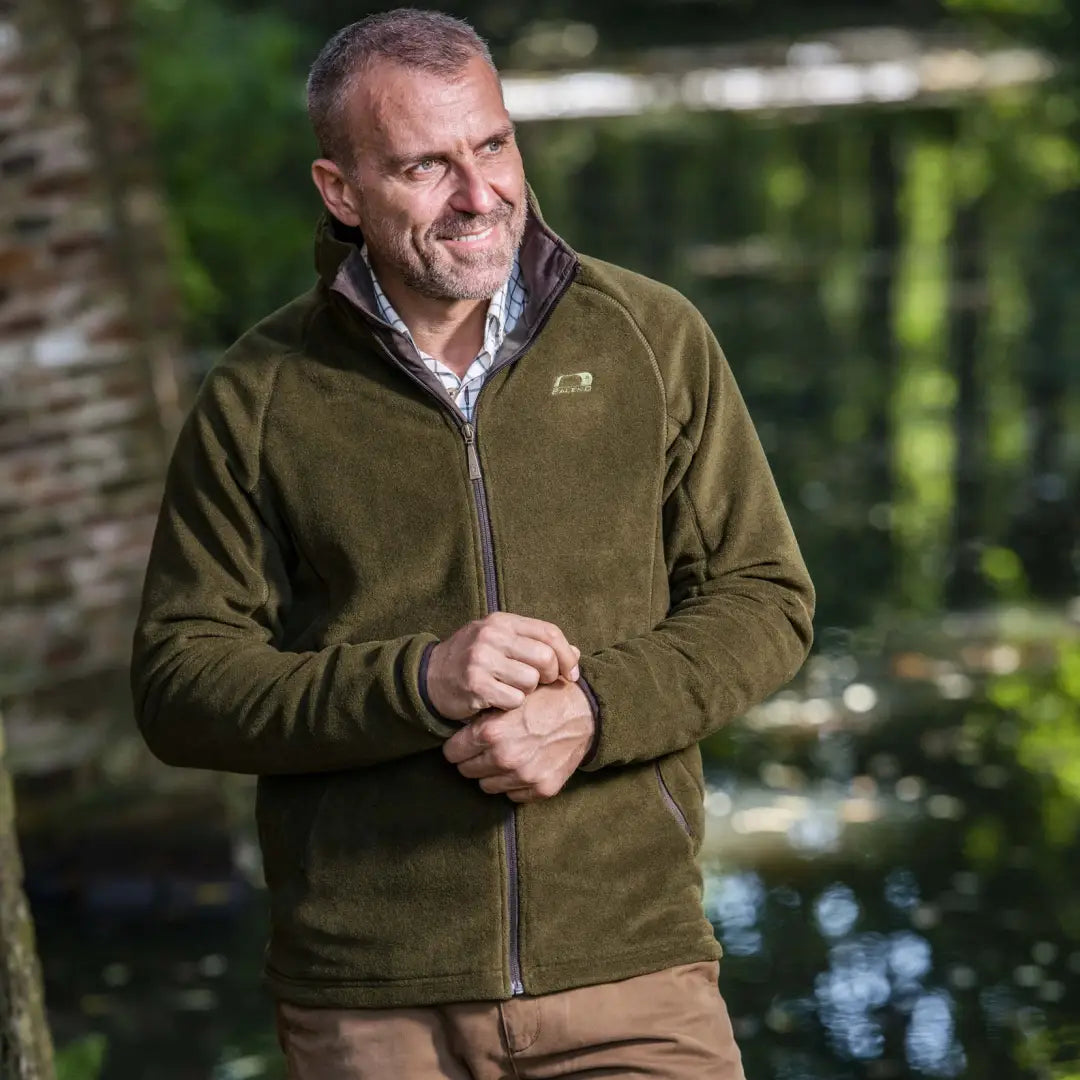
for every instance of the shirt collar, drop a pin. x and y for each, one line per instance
(495, 327)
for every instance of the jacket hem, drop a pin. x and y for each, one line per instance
(481, 985)
(551, 978)
(489, 985)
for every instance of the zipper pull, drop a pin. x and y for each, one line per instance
(470, 452)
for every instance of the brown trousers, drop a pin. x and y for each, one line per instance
(670, 1025)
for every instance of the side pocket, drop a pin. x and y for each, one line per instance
(670, 802)
(286, 809)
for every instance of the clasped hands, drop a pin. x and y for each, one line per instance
(514, 679)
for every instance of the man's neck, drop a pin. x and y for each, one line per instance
(450, 330)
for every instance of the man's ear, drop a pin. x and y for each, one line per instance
(337, 195)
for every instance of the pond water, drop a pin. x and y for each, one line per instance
(892, 892)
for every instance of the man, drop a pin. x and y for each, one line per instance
(463, 552)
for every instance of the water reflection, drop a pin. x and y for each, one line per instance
(836, 911)
(931, 1043)
(855, 985)
(733, 903)
(909, 960)
(902, 889)
(870, 981)
(891, 900)
(895, 861)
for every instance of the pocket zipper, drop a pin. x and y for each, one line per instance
(672, 805)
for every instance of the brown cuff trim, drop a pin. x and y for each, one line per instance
(595, 706)
(421, 680)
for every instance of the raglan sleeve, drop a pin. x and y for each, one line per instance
(212, 686)
(739, 621)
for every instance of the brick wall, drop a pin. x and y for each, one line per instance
(89, 398)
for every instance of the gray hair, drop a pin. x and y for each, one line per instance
(426, 40)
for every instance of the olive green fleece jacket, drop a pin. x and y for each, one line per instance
(328, 516)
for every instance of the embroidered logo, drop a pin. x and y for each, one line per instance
(580, 382)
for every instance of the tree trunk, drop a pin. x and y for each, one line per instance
(878, 339)
(26, 1051)
(965, 586)
(1045, 531)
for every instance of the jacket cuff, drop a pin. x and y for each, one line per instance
(587, 690)
(421, 685)
(421, 679)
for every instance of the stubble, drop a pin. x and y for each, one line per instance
(434, 272)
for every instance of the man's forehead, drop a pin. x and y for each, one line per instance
(395, 108)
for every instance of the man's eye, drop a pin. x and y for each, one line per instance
(495, 145)
(424, 165)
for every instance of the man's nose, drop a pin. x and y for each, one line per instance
(473, 195)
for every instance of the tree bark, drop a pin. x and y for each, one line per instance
(26, 1051)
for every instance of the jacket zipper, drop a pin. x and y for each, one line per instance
(491, 593)
(487, 545)
(672, 805)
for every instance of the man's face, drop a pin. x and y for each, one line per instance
(438, 181)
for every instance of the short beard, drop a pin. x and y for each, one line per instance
(432, 273)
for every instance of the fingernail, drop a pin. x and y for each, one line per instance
(575, 673)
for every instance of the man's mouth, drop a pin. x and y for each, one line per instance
(477, 237)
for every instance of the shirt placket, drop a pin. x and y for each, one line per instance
(462, 391)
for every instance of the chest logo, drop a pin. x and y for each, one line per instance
(580, 382)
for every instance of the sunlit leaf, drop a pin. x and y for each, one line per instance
(81, 1060)
(984, 842)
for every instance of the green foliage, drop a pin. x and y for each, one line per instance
(1032, 9)
(247, 1053)
(225, 95)
(1048, 706)
(984, 842)
(922, 406)
(1054, 1054)
(1005, 572)
(81, 1060)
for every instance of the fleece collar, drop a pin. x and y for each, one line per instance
(548, 265)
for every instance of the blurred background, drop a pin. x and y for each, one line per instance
(877, 206)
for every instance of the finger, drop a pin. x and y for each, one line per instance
(511, 786)
(480, 767)
(524, 795)
(501, 782)
(521, 676)
(538, 655)
(502, 696)
(551, 635)
(464, 744)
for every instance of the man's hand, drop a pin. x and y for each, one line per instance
(494, 662)
(528, 753)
